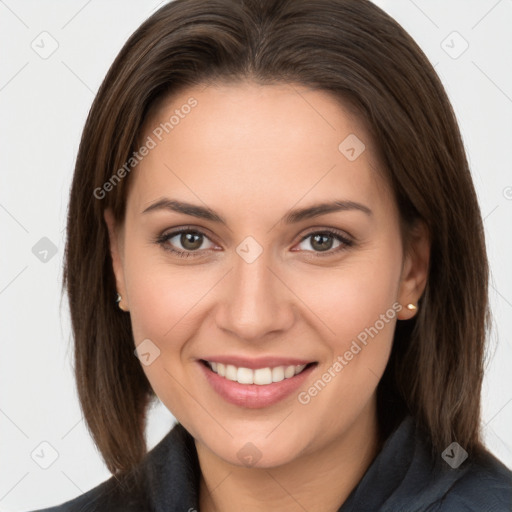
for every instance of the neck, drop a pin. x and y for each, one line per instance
(318, 481)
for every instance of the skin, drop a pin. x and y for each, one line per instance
(251, 153)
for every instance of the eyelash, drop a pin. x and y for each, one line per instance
(344, 240)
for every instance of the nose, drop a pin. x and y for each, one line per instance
(256, 304)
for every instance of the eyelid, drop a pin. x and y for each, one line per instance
(323, 229)
(170, 232)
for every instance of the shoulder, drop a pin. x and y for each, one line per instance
(168, 477)
(484, 486)
(107, 496)
(92, 500)
(409, 475)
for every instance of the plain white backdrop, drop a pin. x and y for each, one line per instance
(54, 57)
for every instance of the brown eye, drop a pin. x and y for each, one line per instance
(186, 242)
(321, 242)
(327, 242)
(191, 241)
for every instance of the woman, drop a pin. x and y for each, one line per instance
(272, 209)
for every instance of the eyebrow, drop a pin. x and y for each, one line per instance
(292, 217)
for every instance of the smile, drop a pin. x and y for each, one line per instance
(259, 376)
(257, 387)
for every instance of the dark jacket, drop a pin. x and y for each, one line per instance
(402, 478)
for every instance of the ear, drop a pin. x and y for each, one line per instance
(414, 270)
(116, 242)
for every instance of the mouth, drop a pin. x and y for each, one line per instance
(257, 387)
(258, 376)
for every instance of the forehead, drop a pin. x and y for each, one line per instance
(255, 144)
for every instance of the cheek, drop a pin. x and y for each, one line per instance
(161, 294)
(163, 305)
(351, 298)
(355, 307)
(357, 310)
(166, 304)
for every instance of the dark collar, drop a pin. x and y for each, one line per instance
(407, 476)
(404, 476)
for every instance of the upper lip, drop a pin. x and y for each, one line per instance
(257, 362)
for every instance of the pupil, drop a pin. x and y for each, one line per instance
(319, 242)
(191, 241)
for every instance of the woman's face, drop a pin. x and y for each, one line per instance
(292, 256)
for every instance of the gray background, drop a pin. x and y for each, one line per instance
(44, 100)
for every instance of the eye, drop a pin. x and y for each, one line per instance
(185, 242)
(326, 241)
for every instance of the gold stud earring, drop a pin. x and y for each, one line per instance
(411, 307)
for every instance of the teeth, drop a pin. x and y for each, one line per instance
(231, 372)
(278, 374)
(244, 376)
(289, 372)
(261, 376)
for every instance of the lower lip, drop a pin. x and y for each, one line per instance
(254, 396)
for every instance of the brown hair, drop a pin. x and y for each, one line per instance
(354, 50)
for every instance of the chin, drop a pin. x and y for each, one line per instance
(261, 451)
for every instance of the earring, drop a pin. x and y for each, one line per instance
(411, 307)
(118, 300)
